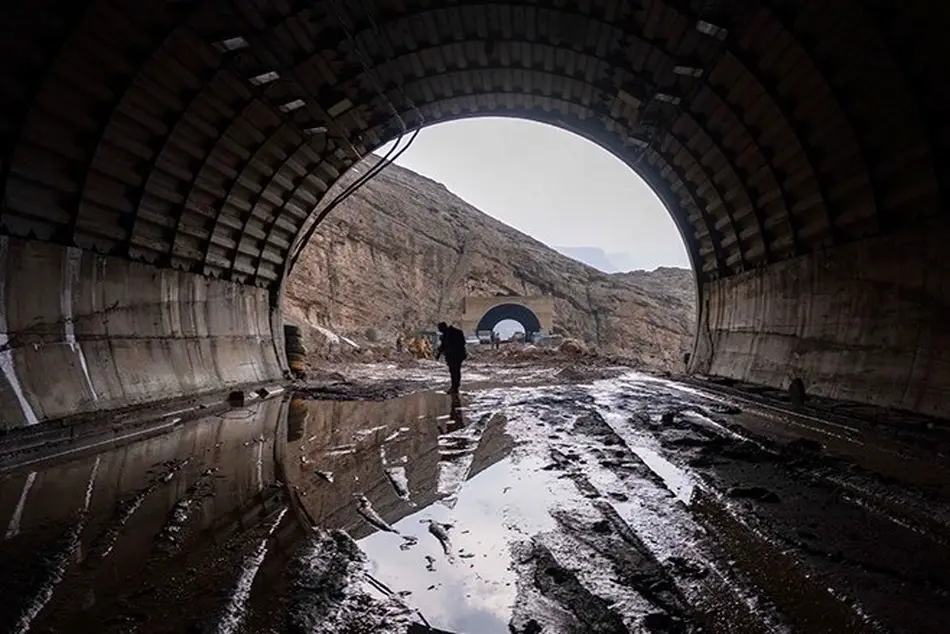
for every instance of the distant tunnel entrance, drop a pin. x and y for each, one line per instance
(536, 314)
(522, 314)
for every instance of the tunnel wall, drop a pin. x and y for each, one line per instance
(864, 322)
(81, 332)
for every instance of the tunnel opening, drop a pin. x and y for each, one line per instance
(450, 241)
(509, 320)
(512, 330)
(159, 166)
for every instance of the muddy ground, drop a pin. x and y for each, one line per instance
(514, 366)
(548, 498)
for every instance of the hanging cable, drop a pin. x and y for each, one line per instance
(347, 193)
(394, 152)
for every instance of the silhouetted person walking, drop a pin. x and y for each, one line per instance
(453, 347)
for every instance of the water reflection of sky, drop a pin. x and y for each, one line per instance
(506, 503)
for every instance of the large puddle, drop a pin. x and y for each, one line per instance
(427, 488)
(432, 495)
(614, 507)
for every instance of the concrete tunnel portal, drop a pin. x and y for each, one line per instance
(515, 312)
(162, 163)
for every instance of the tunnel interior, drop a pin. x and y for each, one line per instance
(162, 163)
(515, 312)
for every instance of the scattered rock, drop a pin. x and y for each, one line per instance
(531, 627)
(353, 391)
(572, 346)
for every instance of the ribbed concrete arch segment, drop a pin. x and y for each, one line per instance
(801, 146)
(155, 134)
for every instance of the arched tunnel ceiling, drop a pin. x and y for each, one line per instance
(158, 131)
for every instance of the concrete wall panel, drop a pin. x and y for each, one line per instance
(81, 332)
(865, 321)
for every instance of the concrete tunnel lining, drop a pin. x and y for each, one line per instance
(807, 179)
(516, 312)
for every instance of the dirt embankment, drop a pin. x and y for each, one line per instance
(403, 252)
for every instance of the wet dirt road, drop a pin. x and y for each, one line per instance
(630, 504)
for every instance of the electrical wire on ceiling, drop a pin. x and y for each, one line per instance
(288, 73)
(394, 152)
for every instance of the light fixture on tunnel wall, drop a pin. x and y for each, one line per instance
(627, 98)
(667, 98)
(264, 78)
(637, 142)
(231, 44)
(339, 108)
(290, 106)
(688, 71)
(319, 129)
(710, 29)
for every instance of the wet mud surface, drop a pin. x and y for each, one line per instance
(608, 503)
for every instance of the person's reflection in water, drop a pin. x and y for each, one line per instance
(456, 420)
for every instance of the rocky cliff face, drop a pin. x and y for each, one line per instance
(403, 252)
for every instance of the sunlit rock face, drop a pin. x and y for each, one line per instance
(403, 252)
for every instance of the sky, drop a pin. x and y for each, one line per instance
(551, 184)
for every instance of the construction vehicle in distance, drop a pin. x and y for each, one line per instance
(422, 343)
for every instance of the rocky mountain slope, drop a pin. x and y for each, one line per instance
(403, 251)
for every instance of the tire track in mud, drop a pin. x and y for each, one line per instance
(660, 602)
(761, 590)
(689, 589)
(174, 532)
(805, 602)
(884, 566)
(103, 545)
(591, 613)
